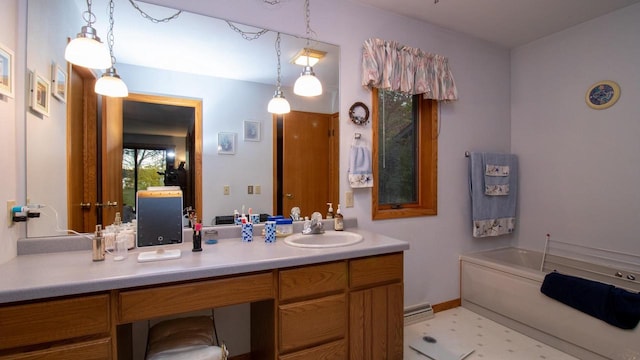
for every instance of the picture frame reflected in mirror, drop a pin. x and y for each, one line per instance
(226, 143)
(252, 131)
(6, 71)
(40, 88)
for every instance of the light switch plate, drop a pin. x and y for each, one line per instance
(10, 205)
(348, 199)
(226, 190)
(250, 189)
(257, 189)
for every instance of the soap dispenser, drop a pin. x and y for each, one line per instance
(330, 211)
(338, 220)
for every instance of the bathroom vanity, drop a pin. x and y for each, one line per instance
(341, 302)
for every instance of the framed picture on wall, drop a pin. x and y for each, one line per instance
(40, 88)
(6, 71)
(252, 131)
(226, 143)
(58, 82)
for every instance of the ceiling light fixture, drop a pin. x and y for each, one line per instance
(278, 104)
(86, 49)
(308, 56)
(110, 84)
(307, 84)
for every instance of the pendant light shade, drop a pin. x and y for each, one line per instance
(278, 104)
(307, 84)
(111, 85)
(87, 52)
(86, 49)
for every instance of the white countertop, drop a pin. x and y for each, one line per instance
(37, 276)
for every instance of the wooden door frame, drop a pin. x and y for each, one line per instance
(196, 104)
(86, 177)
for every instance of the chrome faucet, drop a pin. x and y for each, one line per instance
(314, 226)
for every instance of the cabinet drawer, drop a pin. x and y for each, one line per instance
(375, 270)
(53, 320)
(89, 350)
(143, 304)
(313, 280)
(336, 350)
(312, 322)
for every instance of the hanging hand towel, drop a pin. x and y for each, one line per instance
(360, 172)
(493, 215)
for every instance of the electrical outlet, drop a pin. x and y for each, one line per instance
(250, 189)
(257, 189)
(348, 201)
(226, 190)
(10, 205)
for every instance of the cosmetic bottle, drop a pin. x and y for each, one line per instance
(330, 211)
(98, 245)
(338, 220)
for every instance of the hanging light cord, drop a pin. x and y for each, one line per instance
(151, 18)
(309, 31)
(110, 36)
(278, 53)
(307, 16)
(88, 16)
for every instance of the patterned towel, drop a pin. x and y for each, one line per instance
(360, 172)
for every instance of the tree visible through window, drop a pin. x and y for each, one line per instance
(140, 169)
(405, 155)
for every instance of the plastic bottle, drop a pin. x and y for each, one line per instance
(330, 211)
(338, 220)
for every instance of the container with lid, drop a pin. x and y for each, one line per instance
(284, 227)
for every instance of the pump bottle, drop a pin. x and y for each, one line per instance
(338, 220)
(330, 211)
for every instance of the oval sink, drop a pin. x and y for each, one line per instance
(328, 239)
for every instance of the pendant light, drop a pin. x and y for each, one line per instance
(110, 83)
(86, 49)
(307, 84)
(278, 104)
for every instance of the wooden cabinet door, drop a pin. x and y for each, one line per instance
(376, 323)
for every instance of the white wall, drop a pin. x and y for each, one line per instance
(9, 27)
(580, 168)
(479, 121)
(46, 150)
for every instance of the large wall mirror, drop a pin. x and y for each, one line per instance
(192, 59)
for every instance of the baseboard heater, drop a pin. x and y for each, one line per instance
(417, 313)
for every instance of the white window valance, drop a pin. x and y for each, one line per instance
(389, 65)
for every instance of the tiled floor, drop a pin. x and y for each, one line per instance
(461, 331)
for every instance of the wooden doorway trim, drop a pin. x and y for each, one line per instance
(196, 104)
(82, 130)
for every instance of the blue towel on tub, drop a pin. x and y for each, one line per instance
(613, 305)
(493, 183)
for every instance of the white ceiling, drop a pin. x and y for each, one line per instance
(508, 23)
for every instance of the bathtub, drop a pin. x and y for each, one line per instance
(504, 285)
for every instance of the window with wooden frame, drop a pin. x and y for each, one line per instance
(405, 155)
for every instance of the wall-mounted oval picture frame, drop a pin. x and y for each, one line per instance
(602, 94)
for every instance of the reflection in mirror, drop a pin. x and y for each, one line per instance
(192, 57)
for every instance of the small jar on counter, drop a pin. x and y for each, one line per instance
(284, 227)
